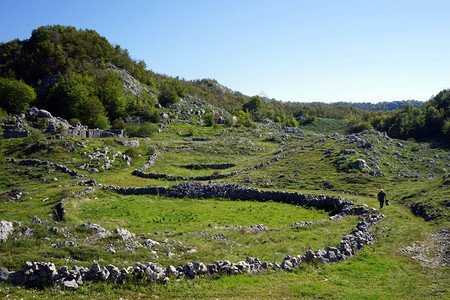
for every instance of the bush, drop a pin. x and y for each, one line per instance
(73, 121)
(141, 130)
(354, 126)
(149, 113)
(167, 95)
(208, 119)
(41, 123)
(118, 124)
(446, 128)
(15, 96)
(102, 122)
(131, 152)
(3, 113)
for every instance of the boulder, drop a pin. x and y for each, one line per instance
(129, 143)
(6, 228)
(125, 234)
(70, 284)
(4, 274)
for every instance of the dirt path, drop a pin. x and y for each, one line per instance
(433, 252)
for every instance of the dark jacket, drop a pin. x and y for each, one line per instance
(381, 196)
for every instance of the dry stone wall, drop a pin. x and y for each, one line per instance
(38, 162)
(194, 189)
(45, 274)
(140, 172)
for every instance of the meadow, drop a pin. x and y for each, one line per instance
(207, 230)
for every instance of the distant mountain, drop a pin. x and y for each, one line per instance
(368, 106)
(380, 106)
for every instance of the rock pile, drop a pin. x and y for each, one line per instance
(14, 127)
(38, 162)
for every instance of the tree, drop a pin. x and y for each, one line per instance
(109, 91)
(15, 96)
(167, 95)
(257, 108)
(74, 97)
(446, 129)
(208, 119)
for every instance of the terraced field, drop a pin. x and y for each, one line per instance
(95, 224)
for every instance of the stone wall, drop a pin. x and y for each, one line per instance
(15, 126)
(38, 162)
(208, 166)
(195, 189)
(140, 172)
(45, 274)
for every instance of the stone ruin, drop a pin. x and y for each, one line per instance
(15, 126)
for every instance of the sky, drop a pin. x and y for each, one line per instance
(302, 51)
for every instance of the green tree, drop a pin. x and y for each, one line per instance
(74, 97)
(167, 95)
(109, 91)
(15, 96)
(208, 119)
(257, 108)
(446, 129)
(102, 122)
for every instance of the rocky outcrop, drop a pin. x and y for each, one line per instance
(128, 143)
(15, 126)
(420, 210)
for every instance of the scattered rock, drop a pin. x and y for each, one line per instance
(6, 229)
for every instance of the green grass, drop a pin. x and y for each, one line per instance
(380, 271)
(325, 126)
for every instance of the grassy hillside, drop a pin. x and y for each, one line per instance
(409, 257)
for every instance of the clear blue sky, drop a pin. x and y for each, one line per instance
(303, 50)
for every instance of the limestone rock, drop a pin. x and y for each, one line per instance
(6, 228)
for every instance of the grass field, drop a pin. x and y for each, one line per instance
(195, 229)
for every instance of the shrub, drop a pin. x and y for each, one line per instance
(446, 128)
(15, 96)
(102, 122)
(167, 95)
(131, 152)
(118, 123)
(208, 119)
(41, 123)
(141, 130)
(73, 121)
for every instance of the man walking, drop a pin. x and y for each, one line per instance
(381, 198)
